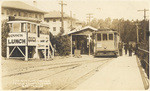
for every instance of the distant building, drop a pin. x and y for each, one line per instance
(53, 18)
(17, 10)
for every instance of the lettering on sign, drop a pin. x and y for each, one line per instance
(31, 39)
(16, 35)
(16, 41)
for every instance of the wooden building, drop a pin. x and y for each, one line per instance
(29, 40)
(82, 40)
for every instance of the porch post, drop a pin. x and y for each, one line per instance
(7, 51)
(89, 44)
(26, 51)
(71, 45)
(45, 52)
(48, 51)
(26, 46)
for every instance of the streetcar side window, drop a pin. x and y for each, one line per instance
(110, 36)
(16, 27)
(23, 27)
(99, 37)
(33, 28)
(104, 36)
(28, 27)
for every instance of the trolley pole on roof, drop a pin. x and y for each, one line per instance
(62, 15)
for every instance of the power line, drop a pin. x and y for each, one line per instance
(62, 15)
(89, 17)
(145, 10)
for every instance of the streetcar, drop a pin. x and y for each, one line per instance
(28, 40)
(106, 43)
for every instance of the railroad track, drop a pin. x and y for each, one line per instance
(62, 65)
(91, 72)
(70, 66)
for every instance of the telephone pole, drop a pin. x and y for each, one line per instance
(144, 27)
(89, 17)
(62, 15)
(71, 19)
(145, 10)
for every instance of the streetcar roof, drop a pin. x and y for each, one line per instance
(106, 31)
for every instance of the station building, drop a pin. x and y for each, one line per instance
(82, 41)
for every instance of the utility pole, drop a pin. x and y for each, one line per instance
(137, 32)
(89, 17)
(62, 15)
(145, 10)
(71, 19)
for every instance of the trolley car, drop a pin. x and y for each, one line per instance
(28, 40)
(106, 42)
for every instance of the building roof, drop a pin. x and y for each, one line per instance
(20, 5)
(54, 14)
(83, 29)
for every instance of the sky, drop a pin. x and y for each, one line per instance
(101, 9)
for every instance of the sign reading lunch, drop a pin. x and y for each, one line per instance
(16, 39)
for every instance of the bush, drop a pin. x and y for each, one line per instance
(5, 30)
(62, 45)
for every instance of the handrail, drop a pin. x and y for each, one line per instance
(143, 50)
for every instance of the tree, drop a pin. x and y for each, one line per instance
(5, 30)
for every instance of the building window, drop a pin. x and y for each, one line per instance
(35, 15)
(40, 16)
(30, 15)
(19, 13)
(99, 37)
(110, 36)
(8, 12)
(104, 36)
(14, 13)
(54, 20)
(25, 14)
(47, 20)
(54, 28)
(11, 12)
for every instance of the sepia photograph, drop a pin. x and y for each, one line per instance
(74, 44)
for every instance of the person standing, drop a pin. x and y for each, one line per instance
(126, 48)
(130, 49)
(120, 48)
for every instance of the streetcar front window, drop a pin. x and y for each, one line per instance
(110, 36)
(99, 37)
(16, 27)
(104, 36)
